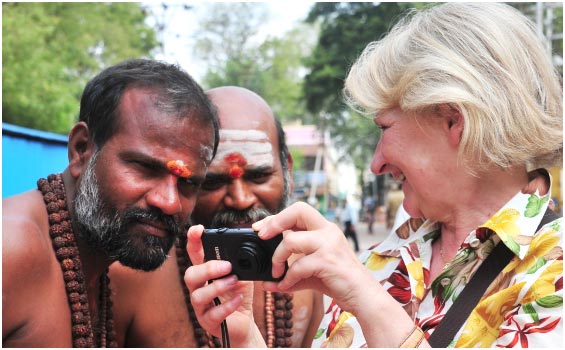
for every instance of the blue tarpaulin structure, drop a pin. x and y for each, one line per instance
(28, 155)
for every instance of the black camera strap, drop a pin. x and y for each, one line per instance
(475, 289)
(224, 326)
(225, 333)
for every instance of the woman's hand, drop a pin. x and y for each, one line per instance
(236, 297)
(327, 264)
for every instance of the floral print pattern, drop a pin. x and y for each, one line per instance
(523, 306)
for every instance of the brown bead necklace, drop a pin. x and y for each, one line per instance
(63, 239)
(278, 311)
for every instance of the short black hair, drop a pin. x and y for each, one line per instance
(180, 94)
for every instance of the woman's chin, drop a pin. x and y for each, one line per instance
(413, 211)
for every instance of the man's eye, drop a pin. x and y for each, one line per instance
(145, 168)
(257, 177)
(212, 185)
(187, 181)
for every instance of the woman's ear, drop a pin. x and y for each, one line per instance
(80, 148)
(453, 122)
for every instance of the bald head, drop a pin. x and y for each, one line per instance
(250, 176)
(247, 125)
(242, 109)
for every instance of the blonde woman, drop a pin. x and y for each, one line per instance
(470, 109)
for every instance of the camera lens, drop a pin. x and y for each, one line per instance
(251, 257)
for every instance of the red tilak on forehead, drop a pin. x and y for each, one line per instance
(237, 162)
(178, 168)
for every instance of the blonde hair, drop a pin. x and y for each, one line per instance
(484, 59)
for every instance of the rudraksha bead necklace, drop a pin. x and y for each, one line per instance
(278, 311)
(66, 250)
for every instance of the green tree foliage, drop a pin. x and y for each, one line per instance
(226, 29)
(271, 67)
(346, 28)
(51, 49)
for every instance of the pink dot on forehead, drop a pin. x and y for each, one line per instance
(178, 168)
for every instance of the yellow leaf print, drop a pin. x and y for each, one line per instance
(504, 223)
(483, 324)
(545, 284)
(540, 245)
(344, 316)
(377, 262)
(415, 271)
(340, 338)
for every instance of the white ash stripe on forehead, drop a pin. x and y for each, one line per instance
(247, 135)
(253, 145)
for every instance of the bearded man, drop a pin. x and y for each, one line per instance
(145, 137)
(249, 178)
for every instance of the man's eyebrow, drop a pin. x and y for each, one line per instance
(149, 161)
(156, 164)
(259, 169)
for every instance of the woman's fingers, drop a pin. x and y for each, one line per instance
(217, 314)
(328, 239)
(202, 294)
(194, 244)
(198, 275)
(203, 298)
(298, 216)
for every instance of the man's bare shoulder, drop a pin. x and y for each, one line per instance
(25, 232)
(28, 265)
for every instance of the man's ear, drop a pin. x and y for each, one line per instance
(289, 162)
(80, 148)
(453, 122)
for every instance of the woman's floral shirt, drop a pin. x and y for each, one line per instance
(523, 307)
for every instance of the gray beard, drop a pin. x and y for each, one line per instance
(231, 218)
(108, 230)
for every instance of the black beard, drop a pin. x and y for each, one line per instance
(109, 231)
(231, 218)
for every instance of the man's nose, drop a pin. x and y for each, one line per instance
(239, 196)
(165, 196)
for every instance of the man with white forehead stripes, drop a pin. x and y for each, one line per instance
(249, 146)
(253, 145)
(250, 178)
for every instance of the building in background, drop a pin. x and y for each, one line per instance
(321, 177)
